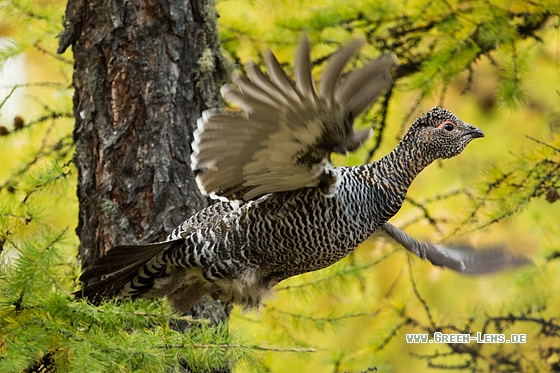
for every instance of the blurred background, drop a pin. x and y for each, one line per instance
(495, 65)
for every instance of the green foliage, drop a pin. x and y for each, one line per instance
(352, 316)
(30, 26)
(510, 188)
(435, 41)
(128, 337)
(39, 317)
(463, 53)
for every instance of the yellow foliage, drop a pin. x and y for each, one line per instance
(357, 312)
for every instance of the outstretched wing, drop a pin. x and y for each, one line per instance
(463, 259)
(283, 138)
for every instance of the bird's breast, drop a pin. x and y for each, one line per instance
(306, 231)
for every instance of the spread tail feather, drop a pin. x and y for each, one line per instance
(133, 265)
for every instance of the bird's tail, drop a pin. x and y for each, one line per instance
(126, 270)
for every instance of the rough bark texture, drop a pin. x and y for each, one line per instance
(144, 72)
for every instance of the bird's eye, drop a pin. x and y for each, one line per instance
(447, 125)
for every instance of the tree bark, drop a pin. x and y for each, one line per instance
(144, 72)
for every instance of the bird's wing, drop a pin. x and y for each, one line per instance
(463, 259)
(283, 137)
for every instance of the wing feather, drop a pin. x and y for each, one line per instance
(334, 68)
(279, 78)
(284, 135)
(363, 97)
(302, 71)
(254, 91)
(460, 258)
(354, 82)
(259, 78)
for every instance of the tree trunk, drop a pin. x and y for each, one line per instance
(144, 72)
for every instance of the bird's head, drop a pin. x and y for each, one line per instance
(442, 134)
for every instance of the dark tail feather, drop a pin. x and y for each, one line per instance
(121, 265)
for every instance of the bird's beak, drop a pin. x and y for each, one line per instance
(475, 133)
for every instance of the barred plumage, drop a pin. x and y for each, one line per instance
(297, 213)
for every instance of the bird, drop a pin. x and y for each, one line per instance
(282, 209)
